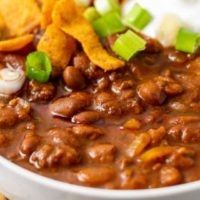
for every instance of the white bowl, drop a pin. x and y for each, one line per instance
(20, 184)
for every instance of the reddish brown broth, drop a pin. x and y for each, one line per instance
(75, 134)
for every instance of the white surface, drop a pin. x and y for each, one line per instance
(20, 184)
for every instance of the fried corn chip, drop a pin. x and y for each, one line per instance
(70, 19)
(58, 46)
(20, 16)
(14, 44)
(47, 9)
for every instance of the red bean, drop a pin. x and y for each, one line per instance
(29, 143)
(95, 175)
(69, 106)
(73, 78)
(150, 93)
(87, 117)
(66, 107)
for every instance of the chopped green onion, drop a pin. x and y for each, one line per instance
(138, 17)
(108, 24)
(91, 14)
(83, 2)
(187, 41)
(128, 44)
(106, 6)
(38, 67)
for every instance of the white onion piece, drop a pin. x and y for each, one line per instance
(168, 30)
(105, 6)
(11, 81)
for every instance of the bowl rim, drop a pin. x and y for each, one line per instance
(99, 193)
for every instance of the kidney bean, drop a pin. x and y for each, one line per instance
(87, 117)
(66, 106)
(73, 78)
(104, 97)
(107, 102)
(95, 175)
(29, 143)
(84, 97)
(81, 61)
(150, 93)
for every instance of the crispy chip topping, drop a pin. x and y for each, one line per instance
(20, 16)
(47, 9)
(58, 46)
(18, 19)
(17, 43)
(73, 23)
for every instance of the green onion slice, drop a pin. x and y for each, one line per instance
(106, 6)
(187, 41)
(138, 17)
(91, 14)
(128, 44)
(108, 24)
(38, 67)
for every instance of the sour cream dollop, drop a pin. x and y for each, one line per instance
(184, 12)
